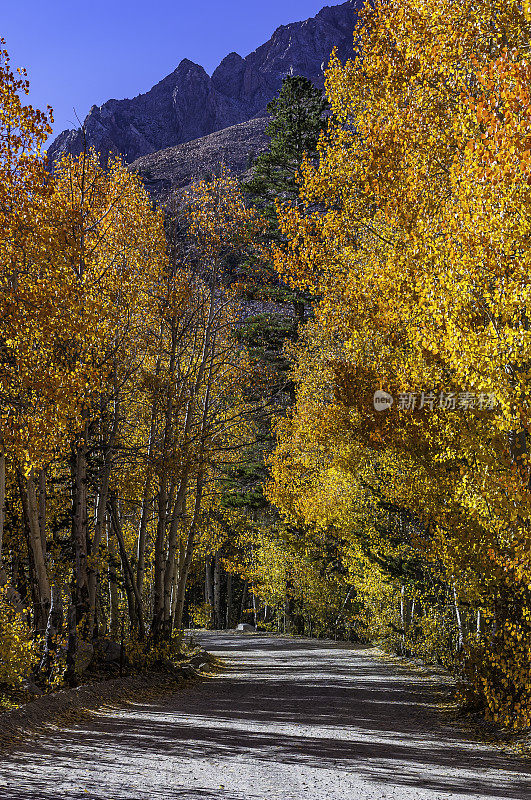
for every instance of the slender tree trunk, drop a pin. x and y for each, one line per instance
(173, 544)
(209, 588)
(109, 440)
(183, 573)
(114, 620)
(177, 515)
(38, 623)
(79, 531)
(71, 646)
(244, 601)
(42, 508)
(342, 609)
(403, 619)
(30, 507)
(101, 619)
(289, 610)
(479, 624)
(137, 618)
(3, 575)
(160, 540)
(178, 567)
(203, 373)
(460, 636)
(147, 503)
(159, 562)
(228, 617)
(298, 307)
(217, 592)
(80, 590)
(99, 528)
(53, 629)
(142, 535)
(173, 596)
(130, 597)
(255, 619)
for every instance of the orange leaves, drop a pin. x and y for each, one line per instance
(79, 253)
(500, 116)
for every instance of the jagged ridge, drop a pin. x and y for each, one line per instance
(188, 104)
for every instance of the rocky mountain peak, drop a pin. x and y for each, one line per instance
(189, 104)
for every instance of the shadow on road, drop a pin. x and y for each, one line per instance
(290, 702)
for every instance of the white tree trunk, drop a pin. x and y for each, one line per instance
(3, 576)
(39, 558)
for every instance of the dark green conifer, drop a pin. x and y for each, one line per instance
(298, 116)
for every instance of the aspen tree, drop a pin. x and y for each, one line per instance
(413, 230)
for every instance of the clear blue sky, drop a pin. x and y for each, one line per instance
(81, 53)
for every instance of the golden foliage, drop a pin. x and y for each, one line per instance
(18, 653)
(414, 231)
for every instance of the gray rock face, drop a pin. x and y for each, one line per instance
(166, 171)
(188, 104)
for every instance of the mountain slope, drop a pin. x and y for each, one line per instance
(189, 104)
(173, 168)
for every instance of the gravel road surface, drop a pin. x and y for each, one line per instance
(289, 719)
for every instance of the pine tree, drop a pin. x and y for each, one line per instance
(298, 116)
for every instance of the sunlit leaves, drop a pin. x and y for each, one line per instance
(415, 235)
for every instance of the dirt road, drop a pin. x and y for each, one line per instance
(290, 719)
